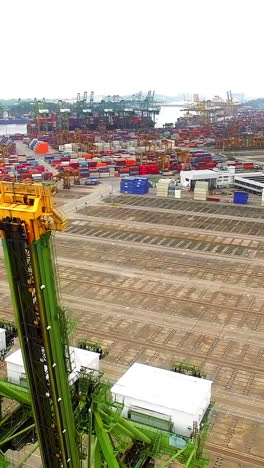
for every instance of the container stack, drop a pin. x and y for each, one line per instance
(40, 147)
(134, 185)
(200, 191)
(21, 167)
(140, 186)
(148, 169)
(163, 187)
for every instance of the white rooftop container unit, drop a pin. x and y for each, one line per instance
(79, 358)
(2, 339)
(179, 399)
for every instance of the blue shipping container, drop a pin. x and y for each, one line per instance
(241, 198)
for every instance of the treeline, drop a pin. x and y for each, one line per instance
(256, 103)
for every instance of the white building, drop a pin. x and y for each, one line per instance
(216, 177)
(79, 358)
(226, 177)
(189, 178)
(175, 401)
(253, 183)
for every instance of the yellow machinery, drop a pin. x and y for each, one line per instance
(184, 157)
(35, 203)
(164, 161)
(67, 176)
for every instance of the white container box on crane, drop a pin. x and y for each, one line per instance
(80, 358)
(2, 339)
(175, 399)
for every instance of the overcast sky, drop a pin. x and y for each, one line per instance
(56, 48)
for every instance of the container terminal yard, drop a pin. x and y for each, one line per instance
(166, 273)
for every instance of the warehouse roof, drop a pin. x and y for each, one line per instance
(199, 174)
(164, 388)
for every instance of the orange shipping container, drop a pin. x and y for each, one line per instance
(42, 148)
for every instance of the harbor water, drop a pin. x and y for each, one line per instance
(168, 114)
(12, 129)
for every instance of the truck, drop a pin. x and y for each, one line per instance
(91, 181)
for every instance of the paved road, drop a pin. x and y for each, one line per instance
(107, 186)
(100, 191)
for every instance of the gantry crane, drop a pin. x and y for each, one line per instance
(75, 422)
(66, 176)
(82, 111)
(41, 113)
(62, 116)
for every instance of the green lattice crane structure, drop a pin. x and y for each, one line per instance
(74, 424)
(40, 113)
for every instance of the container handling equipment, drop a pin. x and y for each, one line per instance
(76, 424)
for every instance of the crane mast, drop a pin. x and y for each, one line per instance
(27, 218)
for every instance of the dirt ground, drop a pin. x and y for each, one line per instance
(157, 281)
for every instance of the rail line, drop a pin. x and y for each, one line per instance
(178, 243)
(166, 294)
(183, 205)
(231, 453)
(205, 357)
(196, 221)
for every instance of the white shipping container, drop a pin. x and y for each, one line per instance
(75, 146)
(164, 394)
(2, 339)
(177, 193)
(79, 358)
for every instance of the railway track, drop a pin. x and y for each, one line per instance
(167, 241)
(166, 294)
(177, 294)
(103, 251)
(204, 357)
(213, 224)
(234, 454)
(190, 205)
